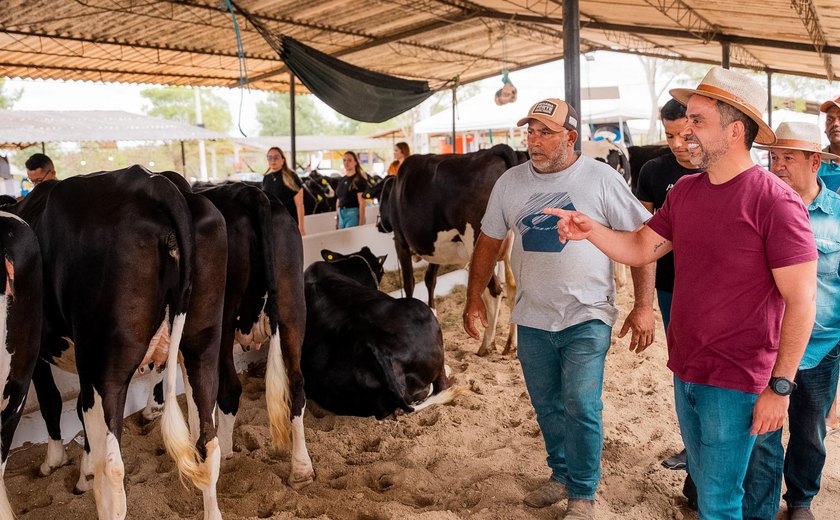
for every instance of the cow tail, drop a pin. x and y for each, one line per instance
(394, 387)
(5, 367)
(176, 434)
(277, 394)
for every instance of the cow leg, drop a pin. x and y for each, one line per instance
(103, 423)
(9, 419)
(154, 405)
(230, 390)
(510, 293)
(49, 399)
(431, 281)
(491, 297)
(404, 257)
(620, 274)
(200, 382)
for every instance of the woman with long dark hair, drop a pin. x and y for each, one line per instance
(350, 193)
(284, 184)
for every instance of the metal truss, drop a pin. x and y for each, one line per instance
(808, 14)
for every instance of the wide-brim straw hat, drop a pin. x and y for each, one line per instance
(800, 136)
(736, 90)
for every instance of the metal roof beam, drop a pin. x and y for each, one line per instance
(686, 17)
(808, 14)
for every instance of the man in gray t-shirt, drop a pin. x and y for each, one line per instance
(565, 297)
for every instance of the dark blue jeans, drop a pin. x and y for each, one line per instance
(715, 424)
(803, 463)
(665, 298)
(564, 374)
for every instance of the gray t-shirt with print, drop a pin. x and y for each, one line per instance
(560, 285)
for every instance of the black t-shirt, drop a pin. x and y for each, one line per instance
(347, 191)
(656, 178)
(273, 185)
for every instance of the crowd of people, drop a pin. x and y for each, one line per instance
(747, 279)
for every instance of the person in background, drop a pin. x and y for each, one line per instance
(350, 193)
(745, 264)
(39, 168)
(796, 158)
(401, 151)
(282, 183)
(830, 169)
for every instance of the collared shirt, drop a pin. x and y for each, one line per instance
(825, 223)
(830, 173)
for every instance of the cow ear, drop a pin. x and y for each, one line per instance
(330, 256)
(382, 259)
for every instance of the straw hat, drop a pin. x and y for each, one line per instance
(800, 136)
(834, 102)
(736, 90)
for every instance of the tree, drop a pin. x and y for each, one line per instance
(274, 117)
(662, 74)
(8, 99)
(178, 104)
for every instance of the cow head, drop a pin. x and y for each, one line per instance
(363, 266)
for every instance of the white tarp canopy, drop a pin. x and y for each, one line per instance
(25, 127)
(482, 113)
(315, 143)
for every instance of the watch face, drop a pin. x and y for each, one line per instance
(782, 386)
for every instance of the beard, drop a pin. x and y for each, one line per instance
(709, 154)
(550, 161)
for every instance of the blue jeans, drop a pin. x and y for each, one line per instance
(715, 424)
(803, 463)
(348, 217)
(665, 298)
(564, 373)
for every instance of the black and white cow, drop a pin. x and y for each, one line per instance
(20, 330)
(119, 256)
(613, 154)
(264, 301)
(434, 207)
(366, 353)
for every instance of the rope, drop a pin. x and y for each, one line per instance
(243, 70)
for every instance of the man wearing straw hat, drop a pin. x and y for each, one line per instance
(744, 288)
(796, 159)
(830, 169)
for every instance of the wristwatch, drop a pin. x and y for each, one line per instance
(782, 385)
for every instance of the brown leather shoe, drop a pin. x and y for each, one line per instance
(800, 513)
(579, 509)
(550, 492)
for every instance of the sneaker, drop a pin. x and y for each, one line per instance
(675, 462)
(579, 509)
(547, 494)
(690, 492)
(800, 513)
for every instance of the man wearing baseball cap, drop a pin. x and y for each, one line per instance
(744, 288)
(796, 158)
(830, 168)
(565, 296)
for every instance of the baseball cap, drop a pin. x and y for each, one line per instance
(554, 113)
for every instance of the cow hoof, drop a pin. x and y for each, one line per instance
(84, 485)
(150, 414)
(45, 470)
(482, 351)
(301, 481)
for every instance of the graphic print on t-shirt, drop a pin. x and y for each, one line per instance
(539, 231)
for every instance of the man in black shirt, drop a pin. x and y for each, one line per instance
(656, 178)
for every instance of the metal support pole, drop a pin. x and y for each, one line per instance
(571, 55)
(454, 138)
(724, 59)
(293, 137)
(770, 98)
(183, 160)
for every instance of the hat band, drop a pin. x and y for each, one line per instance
(728, 95)
(797, 143)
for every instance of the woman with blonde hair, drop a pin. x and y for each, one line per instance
(350, 193)
(282, 183)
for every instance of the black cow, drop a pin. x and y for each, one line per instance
(119, 254)
(639, 155)
(319, 193)
(366, 353)
(20, 330)
(434, 207)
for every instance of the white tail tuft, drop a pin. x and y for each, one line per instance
(444, 397)
(176, 435)
(6, 512)
(277, 395)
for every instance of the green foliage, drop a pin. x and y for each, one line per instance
(8, 99)
(273, 115)
(178, 103)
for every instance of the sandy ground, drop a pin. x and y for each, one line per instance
(473, 459)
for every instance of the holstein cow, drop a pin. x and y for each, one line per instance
(366, 353)
(434, 207)
(263, 302)
(20, 330)
(614, 154)
(118, 263)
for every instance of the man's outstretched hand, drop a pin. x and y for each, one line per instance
(573, 225)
